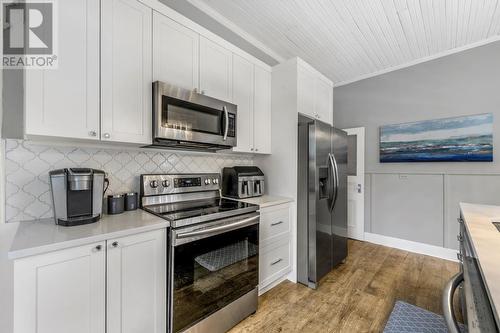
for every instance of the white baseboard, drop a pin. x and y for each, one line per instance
(403, 244)
(263, 290)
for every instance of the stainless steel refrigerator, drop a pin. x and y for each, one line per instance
(321, 200)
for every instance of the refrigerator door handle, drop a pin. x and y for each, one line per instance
(335, 175)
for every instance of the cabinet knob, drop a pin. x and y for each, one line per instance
(98, 248)
(106, 135)
(92, 133)
(251, 149)
(256, 149)
(114, 244)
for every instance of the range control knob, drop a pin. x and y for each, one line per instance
(207, 181)
(165, 183)
(153, 184)
(215, 181)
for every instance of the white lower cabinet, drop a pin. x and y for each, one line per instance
(113, 286)
(136, 283)
(275, 260)
(62, 291)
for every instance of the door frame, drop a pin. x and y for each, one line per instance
(358, 231)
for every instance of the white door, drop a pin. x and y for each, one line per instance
(356, 187)
(175, 53)
(61, 292)
(136, 283)
(243, 97)
(262, 111)
(126, 71)
(64, 102)
(323, 100)
(215, 70)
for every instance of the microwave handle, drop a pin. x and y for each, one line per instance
(226, 114)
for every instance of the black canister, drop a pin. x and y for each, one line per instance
(116, 204)
(131, 201)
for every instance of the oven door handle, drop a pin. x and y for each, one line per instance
(221, 229)
(226, 114)
(449, 291)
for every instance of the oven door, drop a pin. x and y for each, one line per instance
(212, 265)
(185, 116)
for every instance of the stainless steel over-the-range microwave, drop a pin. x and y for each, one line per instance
(186, 119)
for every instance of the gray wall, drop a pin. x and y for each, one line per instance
(461, 84)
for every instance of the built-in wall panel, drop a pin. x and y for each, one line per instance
(480, 189)
(408, 206)
(461, 84)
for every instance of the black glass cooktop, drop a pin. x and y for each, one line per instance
(199, 208)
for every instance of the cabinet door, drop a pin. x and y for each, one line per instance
(175, 53)
(64, 102)
(60, 292)
(243, 97)
(215, 70)
(136, 283)
(262, 111)
(323, 104)
(126, 71)
(306, 82)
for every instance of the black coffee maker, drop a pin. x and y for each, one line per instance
(77, 195)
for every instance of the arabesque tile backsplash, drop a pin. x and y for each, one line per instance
(27, 164)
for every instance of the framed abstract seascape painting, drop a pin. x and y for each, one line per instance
(458, 139)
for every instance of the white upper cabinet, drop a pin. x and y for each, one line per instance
(262, 111)
(136, 283)
(314, 93)
(61, 291)
(252, 95)
(176, 53)
(126, 76)
(306, 82)
(111, 51)
(243, 97)
(323, 102)
(215, 70)
(64, 102)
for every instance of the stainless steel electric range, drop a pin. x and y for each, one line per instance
(213, 251)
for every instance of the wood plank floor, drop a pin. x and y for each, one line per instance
(357, 296)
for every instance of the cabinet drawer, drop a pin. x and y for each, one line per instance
(274, 222)
(274, 263)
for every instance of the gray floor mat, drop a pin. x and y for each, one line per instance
(406, 318)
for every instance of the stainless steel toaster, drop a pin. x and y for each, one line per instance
(242, 182)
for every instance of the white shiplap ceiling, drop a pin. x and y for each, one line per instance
(351, 39)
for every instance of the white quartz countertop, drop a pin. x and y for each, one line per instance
(44, 235)
(266, 200)
(485, 240)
